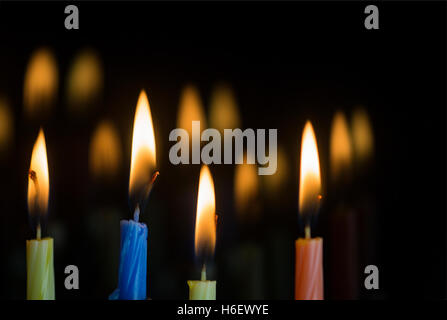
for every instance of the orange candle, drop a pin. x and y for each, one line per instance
(309, 251)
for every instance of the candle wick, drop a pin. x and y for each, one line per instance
(136, 214)
(38, 232)
(307, 231)
(141, 202)
(203, 276)
(33, 176)
(151, 184)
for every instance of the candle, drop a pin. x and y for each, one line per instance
(247, 252)
(205, 236)
(364, 185)
(133, 254)
(309, 251)
(343, 247)
(39, 251)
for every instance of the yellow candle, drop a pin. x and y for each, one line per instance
(202, 289)
(39, 252)
(40, 270)
(205, 235)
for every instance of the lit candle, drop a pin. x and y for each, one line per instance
(247, 252)
(343, 220)
(309, 251)
(205, 236)
(39, 251)
(133, 254)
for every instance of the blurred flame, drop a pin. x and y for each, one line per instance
(143, 158)
(6, 125)
(190, 109)
(38, 180)
(205, 233)
(85, 79)
(340, 146)
(105, 151)
(274, 182)
(245, 187)
(310, 182)
(362, 135)
(224, 113)
(41, 82)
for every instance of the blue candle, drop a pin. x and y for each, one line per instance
(133, 261)
(133, 254)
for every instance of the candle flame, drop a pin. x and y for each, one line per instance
(41, 82)
(105, 151)
(362, 135)
(340, 147)
(275, 182)
(85, 80)
(224, 112)
(38, 179)
(205, 233)
(246, 188)
(190, 109)
(143, 151)
(310, 182)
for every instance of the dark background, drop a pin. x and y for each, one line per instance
(287, 62)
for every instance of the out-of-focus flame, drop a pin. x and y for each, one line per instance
(41, 82)
(310, 181)
(246, 188)
(205, 232)
(38, 178)
(143, 159)
(190, 109)
(362, 135)
(6, 125)
(105, 151)
(85, 79)
(274, 182)
(340, 146)
(224, 112)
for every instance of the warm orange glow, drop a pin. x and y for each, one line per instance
(362, 135)
(6, 125)
(310, 181)
(205, 235)
(190, 109)
(85, 79)
(245, 187)
(274, 183)
(143, 147)
(105, 151)
(340, 147)
(38, 180)
(224, 112)
(41, 82)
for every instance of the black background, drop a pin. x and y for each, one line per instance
(288, 62)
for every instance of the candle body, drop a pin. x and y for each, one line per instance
(344, 265)
(40, 269)
(309, 269)
(202, 290)
(133, 262)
